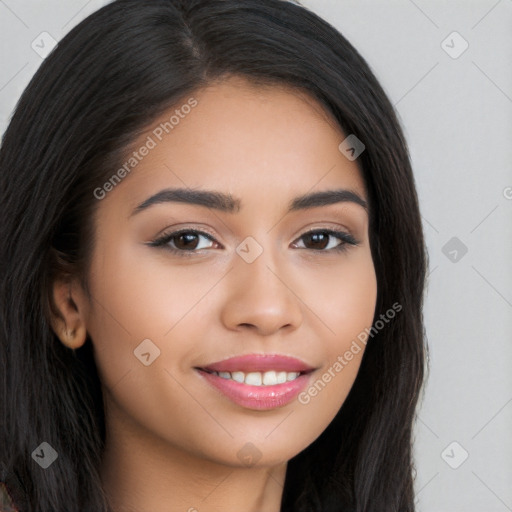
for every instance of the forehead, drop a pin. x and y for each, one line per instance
(246, 139)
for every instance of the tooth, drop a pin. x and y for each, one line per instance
(238, 376)
(269, 378)
(253, 379)
(281, 377)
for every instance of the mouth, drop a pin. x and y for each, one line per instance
(258, 381)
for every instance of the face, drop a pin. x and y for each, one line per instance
(243, 276)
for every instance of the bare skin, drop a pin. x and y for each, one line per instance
(173, 441)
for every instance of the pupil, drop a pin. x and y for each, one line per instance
(189, 237)
(314, 238)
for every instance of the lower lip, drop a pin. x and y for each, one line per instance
(257, 397)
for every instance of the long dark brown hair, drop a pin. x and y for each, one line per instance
(107, 80)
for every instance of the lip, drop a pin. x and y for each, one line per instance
(258, 397)
(259, 363)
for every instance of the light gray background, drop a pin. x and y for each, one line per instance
(457, 116)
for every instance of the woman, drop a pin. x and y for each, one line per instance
(212, 269)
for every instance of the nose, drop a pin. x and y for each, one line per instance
(261, 298)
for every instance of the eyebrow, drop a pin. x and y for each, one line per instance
(229, 204)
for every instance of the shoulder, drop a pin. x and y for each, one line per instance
(6, 503)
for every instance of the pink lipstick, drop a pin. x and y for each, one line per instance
(258, 381)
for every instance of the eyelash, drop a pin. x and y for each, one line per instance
(163, 241)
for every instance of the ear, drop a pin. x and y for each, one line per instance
(69, 322)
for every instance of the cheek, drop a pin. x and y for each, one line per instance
(138, 298)
(345, 307)
(133, 302)
(126, 309)
(343, 298)
(356, 300)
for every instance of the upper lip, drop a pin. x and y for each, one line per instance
(259, 363)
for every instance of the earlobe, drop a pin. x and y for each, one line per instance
(69, 323)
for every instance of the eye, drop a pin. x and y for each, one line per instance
(322, 240)
(183, 241)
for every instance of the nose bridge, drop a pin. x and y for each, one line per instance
(256, 266)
